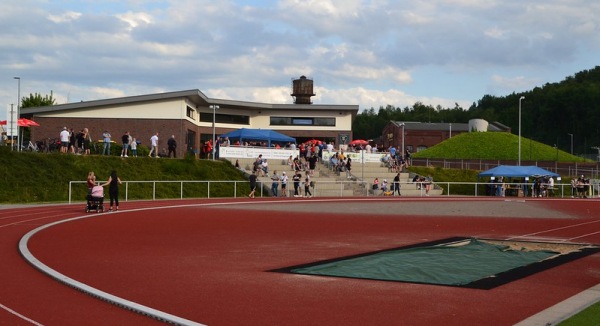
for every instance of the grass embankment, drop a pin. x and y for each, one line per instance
(587, 317)
(484, 146)
(495, 146)
(44, 177)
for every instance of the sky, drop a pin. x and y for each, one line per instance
(366, 53)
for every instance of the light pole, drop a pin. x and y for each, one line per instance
(571, 143)
(214, 147)
(403, 150)
(18, 112)
(12, 127)
(520, 99)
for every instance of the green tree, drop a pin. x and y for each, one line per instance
(35, 100)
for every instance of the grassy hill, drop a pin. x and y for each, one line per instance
(44, 177)
(495, 146)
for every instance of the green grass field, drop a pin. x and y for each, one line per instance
(44, 177)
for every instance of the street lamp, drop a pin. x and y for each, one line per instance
(571, 143)
(12, 127)
(403, 150)
(214, 108)
(18, 112)
(520, 99)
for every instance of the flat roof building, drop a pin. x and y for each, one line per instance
(189, 116)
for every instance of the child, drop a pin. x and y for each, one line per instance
(133, 147)
(384, 185)
(307, 192)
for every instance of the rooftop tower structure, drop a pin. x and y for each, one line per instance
(302, 90)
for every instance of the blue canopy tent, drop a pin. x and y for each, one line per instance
(513, 171)
(267, 135)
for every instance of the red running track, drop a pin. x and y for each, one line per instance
(208, 261)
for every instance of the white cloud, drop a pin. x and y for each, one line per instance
(135, 19)
(65, 17)
(366, 52)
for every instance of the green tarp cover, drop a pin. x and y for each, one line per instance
(439, 264)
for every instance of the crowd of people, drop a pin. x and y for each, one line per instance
(537, 186)
(82, 143)
(260, 166)
(580, 187)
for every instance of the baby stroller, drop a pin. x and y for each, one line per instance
(95, 200)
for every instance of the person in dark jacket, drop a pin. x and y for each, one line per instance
(172, 145)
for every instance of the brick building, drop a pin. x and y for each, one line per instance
(419, 136)
(189, 116)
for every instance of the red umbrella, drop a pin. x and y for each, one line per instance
(358, 142)
(313, 141)
(23, 122)
(2, 122)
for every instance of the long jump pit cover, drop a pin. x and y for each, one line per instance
(462, 262)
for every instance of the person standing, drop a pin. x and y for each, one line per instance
(125, 139)
(252, 180)
(133, 146)
(396, 185)
(113, 189)
(64, 140)
(349, 168)
(80, 138)
(106, 137)
(172, 145)
(154, 145)
(275, 184)
(307, 192)
(87, 141)
(72, 141)
(284, 180)
(429, 181)
(296, 178)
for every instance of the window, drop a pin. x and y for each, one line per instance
(299, 121)
(190, 112)
(225, 118)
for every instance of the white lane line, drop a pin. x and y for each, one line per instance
(118, 301)
(551, 230)
(582, 236)
(20, 316)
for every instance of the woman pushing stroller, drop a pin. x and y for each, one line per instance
(113, 183)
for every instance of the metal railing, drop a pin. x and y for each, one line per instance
(589, 169)
(153, 190)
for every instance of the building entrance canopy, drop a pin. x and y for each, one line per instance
(263, 135)
(513, 171)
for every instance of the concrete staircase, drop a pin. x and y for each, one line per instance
(365, 174)
(329, 183)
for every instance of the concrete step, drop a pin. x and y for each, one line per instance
(329, 184)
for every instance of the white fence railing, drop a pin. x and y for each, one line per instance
(153, 190)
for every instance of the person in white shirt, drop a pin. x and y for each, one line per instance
(64, 140)
(106, 137)
(551, 187)
(330, 147)
(284, 180)
(154, 144)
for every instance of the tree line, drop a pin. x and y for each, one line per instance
(549, 114)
